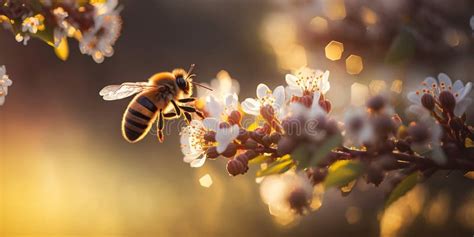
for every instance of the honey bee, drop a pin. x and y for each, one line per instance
(157, 98)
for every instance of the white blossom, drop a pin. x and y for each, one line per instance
(193, 144)
(5, 82)
(265, 96)
(307, 81)
(99, 39)
(434, 87)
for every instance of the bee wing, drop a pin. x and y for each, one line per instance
(117, 92)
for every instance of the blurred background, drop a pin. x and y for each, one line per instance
(65, 170)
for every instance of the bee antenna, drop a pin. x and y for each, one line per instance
(190, 70)
(201, 85)
(189, 75)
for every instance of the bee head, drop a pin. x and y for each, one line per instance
(181, 80)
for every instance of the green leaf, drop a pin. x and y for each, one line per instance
(305, 159)
(279, 166)
(258, 160)
(302, 156)
(331, 143)
(402, 47)
(343, 172)
(402, 188)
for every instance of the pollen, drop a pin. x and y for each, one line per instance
(206, 181)
(334, 50)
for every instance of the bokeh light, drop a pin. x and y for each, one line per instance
(354, 64)
(334, 50)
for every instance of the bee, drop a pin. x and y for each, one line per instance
(166, 95)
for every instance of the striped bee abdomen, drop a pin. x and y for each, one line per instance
(138, 118)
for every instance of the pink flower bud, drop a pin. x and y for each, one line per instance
(235, 167)
(230, 150)
(428, 102)
(235, 117)
(447, 100)
(210, 136)
(267, 112)
(212, 153)
(326, 105)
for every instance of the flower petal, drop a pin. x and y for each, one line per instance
(213, 106)
(251, 106)
(465, 91)
(414, 97)
(279, 95)
(293, 91)
(224, 136)
(211, 123)
(458, 86)
(232, 100)
(324, 84)
(262, 90)
(291, 80)
(461, 106)
(444, 79)
(198, 162)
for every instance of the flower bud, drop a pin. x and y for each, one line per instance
(210, 136)
(235, 167)
(235, 117)
(243, 135)
(251, 154)
(447, 100)
(267, 112)
(428, 101)
(230, 150)
(250, 144)
(326, 105)
(266, 140)
(376, 103)
(257, 136)
(266, 129)
(243, 159)
(224, 125)
(212, 153)
(275, 137)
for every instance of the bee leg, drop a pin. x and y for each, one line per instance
(161, 124)
(176, 107)
(190, 109)
(188, 117)
(187, 100)
(170, 115)
(200, 114)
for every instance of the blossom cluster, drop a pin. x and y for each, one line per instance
(5, 82)
(95, 24)
(300, 149)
